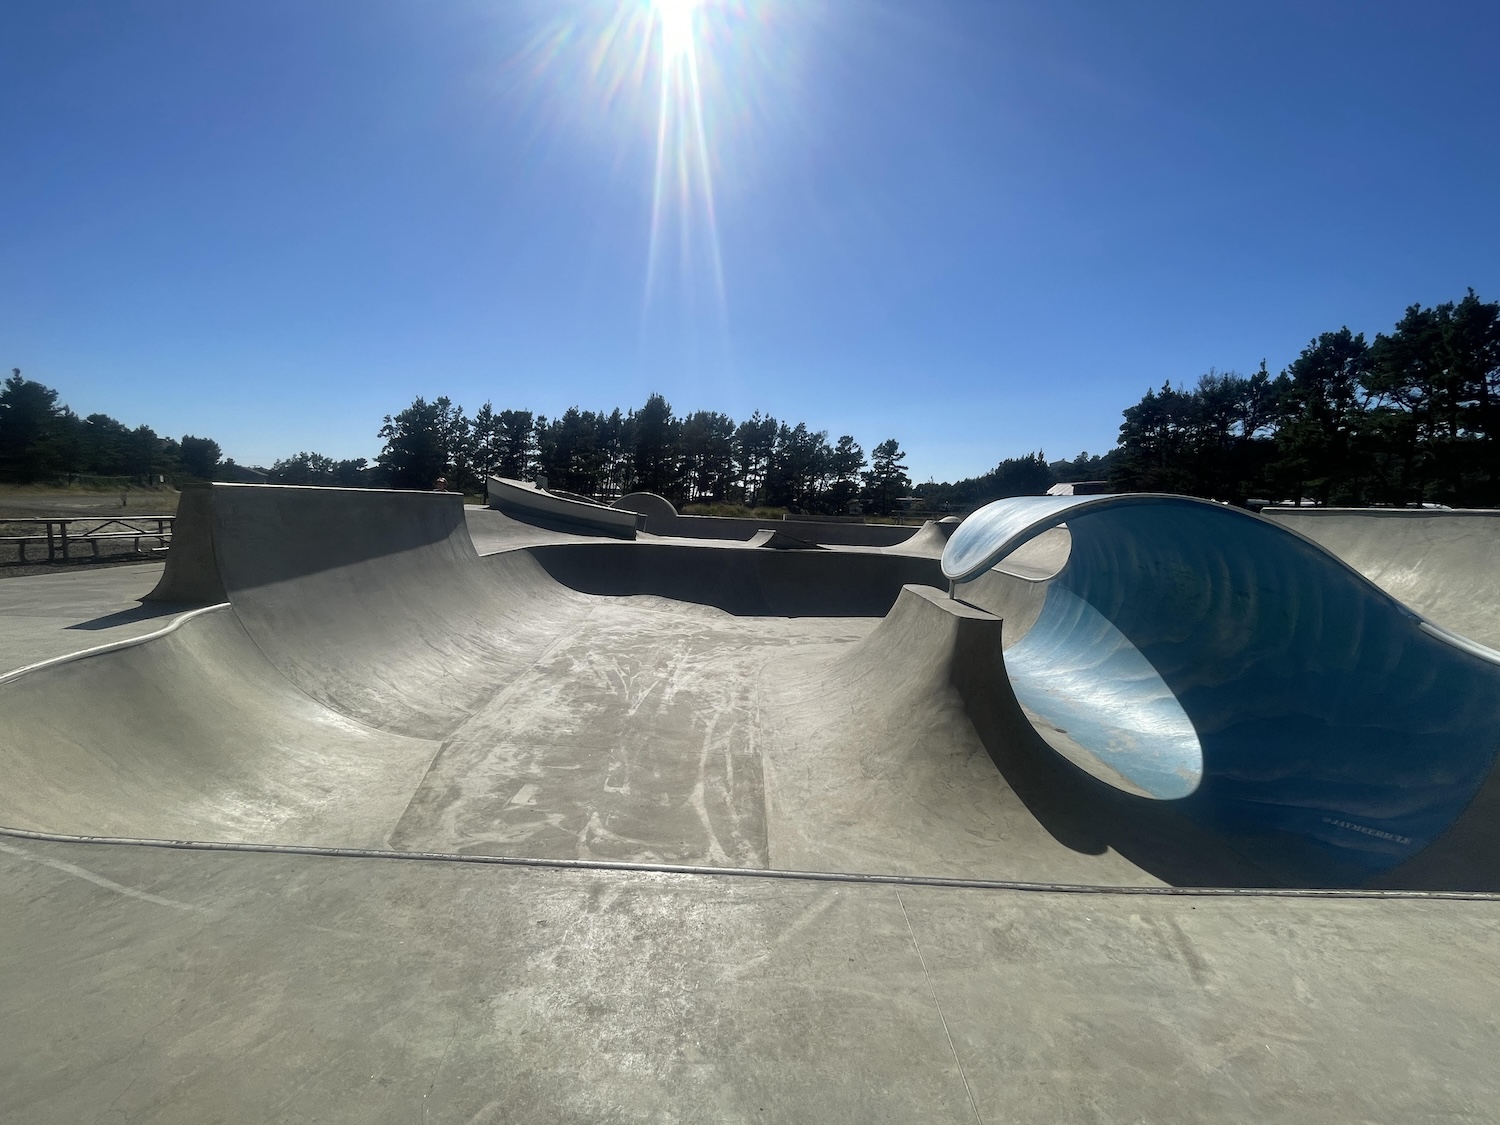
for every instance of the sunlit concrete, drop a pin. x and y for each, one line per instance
(47, 615)
(459, 692)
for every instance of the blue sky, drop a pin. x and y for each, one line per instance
(982, 228)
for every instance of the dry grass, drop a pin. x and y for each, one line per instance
(24, 502)
(29, 501)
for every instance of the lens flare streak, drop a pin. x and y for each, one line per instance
(682, 150)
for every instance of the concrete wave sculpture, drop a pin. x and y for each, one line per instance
(1199, 657)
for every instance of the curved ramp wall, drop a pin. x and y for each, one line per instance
(744, 581)
(662, 518)
(1443, 564)
(376, 604)
(190, 734)
(1247, 679)
(373, 602)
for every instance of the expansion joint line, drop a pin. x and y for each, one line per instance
(932, 988)
(851, 877)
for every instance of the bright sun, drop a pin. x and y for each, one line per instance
(676, 18)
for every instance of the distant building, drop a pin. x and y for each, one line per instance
(1079, 488)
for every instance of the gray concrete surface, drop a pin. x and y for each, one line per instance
(378, 683)
(48, 615)
(194, 735)
(1443, 564)
(492, 532)
(168, 986)
(662, 519)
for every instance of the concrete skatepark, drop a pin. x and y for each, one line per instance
(1104, 808)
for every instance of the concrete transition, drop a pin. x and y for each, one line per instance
(662, 518)
(1119, 690)
(929, 539)
(659, 512)
(1440, 563)
(552, 507)
(779, 540)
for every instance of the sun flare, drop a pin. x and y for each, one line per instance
(683, 179)
(675, 18)
(680, 83)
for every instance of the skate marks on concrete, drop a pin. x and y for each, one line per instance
(194, 735)
(1316, 724)
(874, 762)
(634, 737)
(631, 736)
(583, 716)
(1443, 564)
(374, 602)
(276, 987)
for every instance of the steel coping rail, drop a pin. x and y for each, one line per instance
(938, 882)
(172, 626)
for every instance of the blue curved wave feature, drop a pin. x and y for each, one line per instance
(1090, 693)
(1336, 730)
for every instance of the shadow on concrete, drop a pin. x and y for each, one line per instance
(739, 580)
(1090, 816)
(144, 612)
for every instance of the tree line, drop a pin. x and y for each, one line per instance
(704, 458)
(1029, 475)
(1412, 416)
(701, 458)
(42, 440)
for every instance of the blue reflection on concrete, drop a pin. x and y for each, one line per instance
(1188, 642)
(1096, 699)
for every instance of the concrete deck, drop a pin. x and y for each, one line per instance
(48, 615)
(152, 985)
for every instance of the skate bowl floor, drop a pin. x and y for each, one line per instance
(377, 787)
(359, 676)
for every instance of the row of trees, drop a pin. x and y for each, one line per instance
(1410, 417)
(705, 457)
(43, 440)
(1031, 475)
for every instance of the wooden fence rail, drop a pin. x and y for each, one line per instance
(64, 536)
